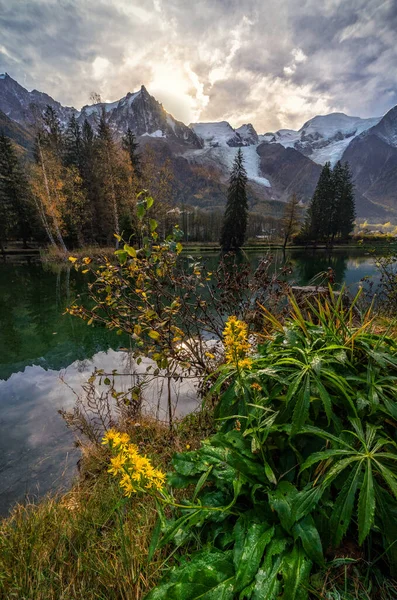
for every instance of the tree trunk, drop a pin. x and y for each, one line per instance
(40, 210)
(114, 200)
(47, 188)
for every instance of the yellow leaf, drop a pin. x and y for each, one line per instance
(130, 250)
(154, 334)
(72, 259)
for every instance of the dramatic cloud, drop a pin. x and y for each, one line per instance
(275, 63)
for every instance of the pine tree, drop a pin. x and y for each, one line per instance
(130, 145)
(73, 144)
(291, 219)
(317, 222)
(331, 212)
(344, 193)
(236, 214)
(16, 211)
(52, 132)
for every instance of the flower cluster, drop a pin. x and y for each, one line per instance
(236, 343)
(136, 472)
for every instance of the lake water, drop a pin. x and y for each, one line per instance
(46, 354)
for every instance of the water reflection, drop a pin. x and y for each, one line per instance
(36, 449)
(33, 328)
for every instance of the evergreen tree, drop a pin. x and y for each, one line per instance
(317, 223)
(130, 145)
(291, 219)
(16, 211)
(73, 144)
(331, 212)
(236, 214)
(345, 204)
(52, 135)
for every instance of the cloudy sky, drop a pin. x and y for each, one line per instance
(275, 63)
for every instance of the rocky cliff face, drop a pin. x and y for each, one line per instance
(288, 171)
(22, 106)
(145, 116)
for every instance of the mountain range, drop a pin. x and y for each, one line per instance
(278, 163)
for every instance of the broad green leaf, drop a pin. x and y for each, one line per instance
(301, 410)
(281, 500)
(366, 504)
(248, 560)
(324, 455)
(325, 398)
(305, 501)
(344, 505)
(140, 210)
(336, 469)
(294, 386)
(268, 584)
(149, 202)
(388, 476)
(307, 532)
(296, 569)
(153, 224)
(327, 436)
(208, 576)
(201, 482)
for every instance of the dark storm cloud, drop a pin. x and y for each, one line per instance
(275, 63)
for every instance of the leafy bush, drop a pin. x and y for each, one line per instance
(304, 461)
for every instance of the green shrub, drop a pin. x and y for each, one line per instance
(304, 461)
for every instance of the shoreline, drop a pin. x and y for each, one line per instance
(46, 255)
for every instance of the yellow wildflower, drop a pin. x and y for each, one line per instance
(236, 343)
(124, 438)
(110, 436)
(136, 472)
(117, 463)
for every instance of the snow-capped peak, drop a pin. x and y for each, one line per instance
(325, 137)
(248, 134)
(222, 134)
(216, 134)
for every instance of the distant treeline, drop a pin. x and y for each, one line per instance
(82, 185)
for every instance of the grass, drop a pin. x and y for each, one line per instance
(51, 254)
(89, 544)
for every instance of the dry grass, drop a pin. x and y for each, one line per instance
(97, 253)
(91, 543)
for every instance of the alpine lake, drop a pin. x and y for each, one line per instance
(46, 356)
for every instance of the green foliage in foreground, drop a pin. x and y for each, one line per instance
(301, 472)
